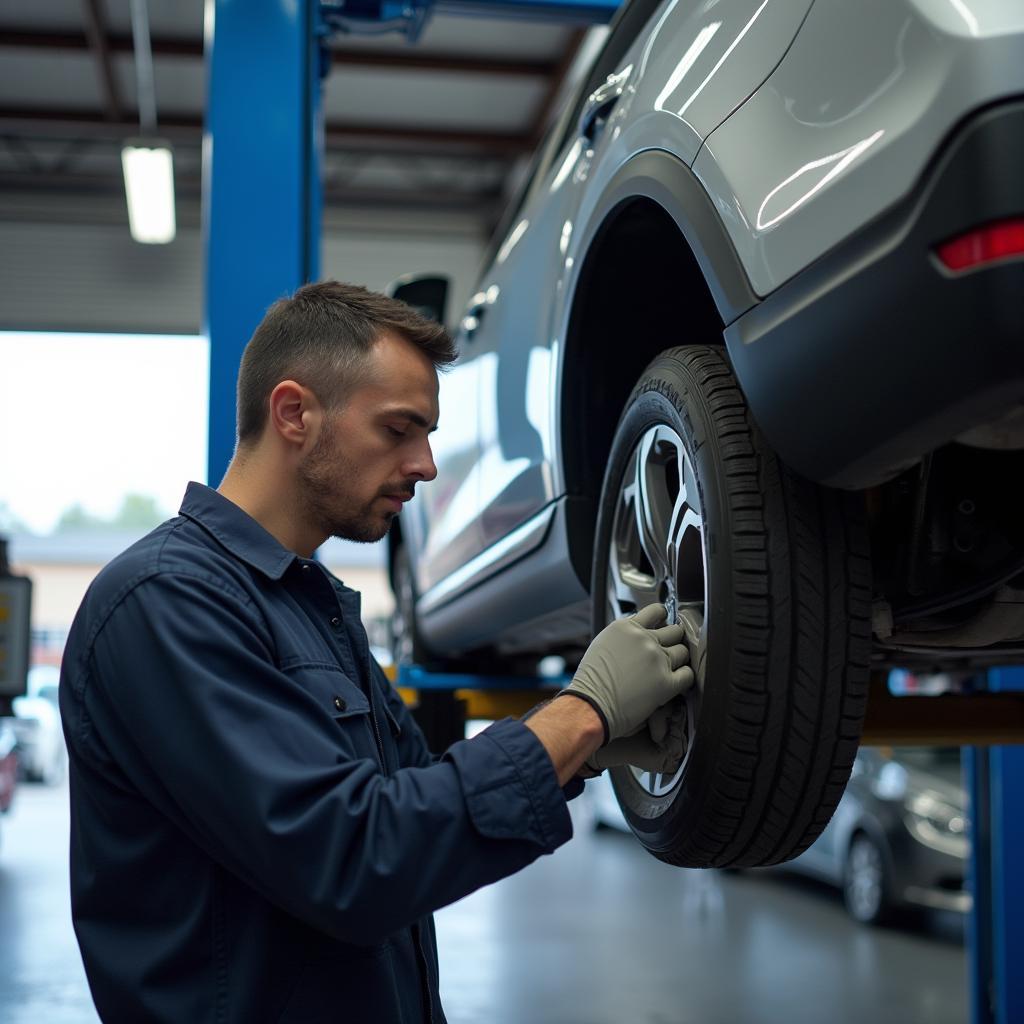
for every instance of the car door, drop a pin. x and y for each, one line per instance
(506, 330)
(509, 324)
(441, 523)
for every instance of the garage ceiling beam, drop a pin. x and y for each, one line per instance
(458, 63)
(52, 122)
(339, 134)
(341, 56)
(979, 719)
(41, 39)
(96, 33)
(479, 201)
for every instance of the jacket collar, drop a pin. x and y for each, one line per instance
(236, 530)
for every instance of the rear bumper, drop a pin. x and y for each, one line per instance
(876, 355)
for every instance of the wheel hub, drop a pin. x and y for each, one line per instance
(667, 596)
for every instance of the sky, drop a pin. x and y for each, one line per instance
(89, 418)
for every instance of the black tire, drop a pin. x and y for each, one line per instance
(407, 644)
(780, 641)
(440, 715)
(406, 647)
(867, 891)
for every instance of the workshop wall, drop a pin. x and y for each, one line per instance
(91, 276)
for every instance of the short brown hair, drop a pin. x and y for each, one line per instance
(321, 337)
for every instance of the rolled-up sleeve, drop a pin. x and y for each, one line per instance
(258, 773)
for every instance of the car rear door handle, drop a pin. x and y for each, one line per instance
(600, 103)
(594, 118)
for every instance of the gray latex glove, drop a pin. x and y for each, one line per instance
(633, 666)
(658, 746)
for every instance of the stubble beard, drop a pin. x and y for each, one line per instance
(321, 503)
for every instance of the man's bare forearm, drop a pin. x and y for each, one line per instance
(570, 730)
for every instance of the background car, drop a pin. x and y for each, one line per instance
(36, 724)
(747, 344)
(898, 840)
(899, 837)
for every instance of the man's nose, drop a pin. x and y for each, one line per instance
(423, 465)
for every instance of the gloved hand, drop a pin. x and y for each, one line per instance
(633, 666)
(658, 746)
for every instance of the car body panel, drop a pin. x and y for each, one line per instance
(670, 103)
(808, 356)
(698, 63)
(848, 121)
(733, 45)
(532, 601)
(514, 422)
(770, 134)
(440, 523)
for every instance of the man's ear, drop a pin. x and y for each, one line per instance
(294, 413)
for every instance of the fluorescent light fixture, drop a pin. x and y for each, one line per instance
(149, 186)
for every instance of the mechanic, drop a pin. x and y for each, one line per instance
(258, 831)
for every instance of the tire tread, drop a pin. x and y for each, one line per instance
(801, 593)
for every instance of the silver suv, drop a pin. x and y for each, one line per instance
(750, 343)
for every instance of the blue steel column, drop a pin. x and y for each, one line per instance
(996, 783)
(261, 181)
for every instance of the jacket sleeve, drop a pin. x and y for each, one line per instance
(412, 744)
(185, 696)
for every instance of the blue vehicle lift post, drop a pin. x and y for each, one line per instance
(995, 777)
(263, 150)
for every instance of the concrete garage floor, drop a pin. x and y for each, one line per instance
(41, 976)
(598, 933)
(602, 933)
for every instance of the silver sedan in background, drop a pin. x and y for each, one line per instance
(899, 838)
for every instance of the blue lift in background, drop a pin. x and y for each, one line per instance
(995, 777)
(263, 147)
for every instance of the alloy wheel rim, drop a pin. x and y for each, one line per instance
(657, 552)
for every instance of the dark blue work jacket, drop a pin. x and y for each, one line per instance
(258, 832)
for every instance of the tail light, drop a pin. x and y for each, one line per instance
(983, 245)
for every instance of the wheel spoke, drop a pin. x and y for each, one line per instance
(628, 589)
(653, 507)
(686, 529)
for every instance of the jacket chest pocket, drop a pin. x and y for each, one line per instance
(344, 701)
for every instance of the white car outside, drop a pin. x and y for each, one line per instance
(41, 751)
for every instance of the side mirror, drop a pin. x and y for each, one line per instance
(427, 294)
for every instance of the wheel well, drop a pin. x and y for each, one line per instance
(641, 290)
